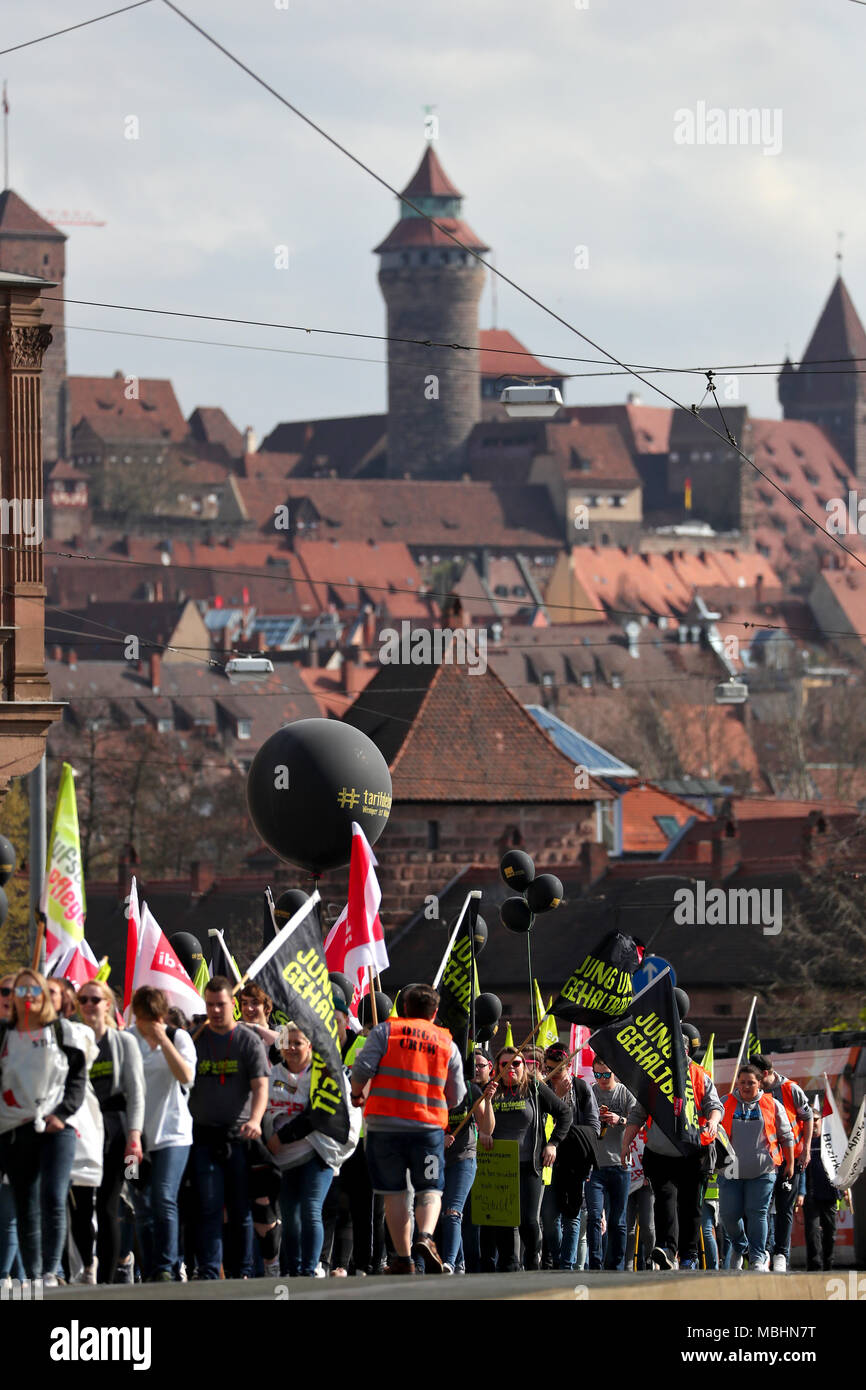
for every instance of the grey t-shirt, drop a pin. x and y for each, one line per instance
(608, 1146)
(227, 1063)
(368, 1061)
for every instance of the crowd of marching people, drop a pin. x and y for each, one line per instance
(169, 1149)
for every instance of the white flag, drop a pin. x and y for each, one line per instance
(852, 1162)
(158, 965)
(833, 1140)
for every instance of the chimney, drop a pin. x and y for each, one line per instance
(202, 876)
(759, 588)
(155, 661)
(250, 441)
(593, 862)
(261, 641)
(71, 660)
(158, 591)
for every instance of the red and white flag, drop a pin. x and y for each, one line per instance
(76, 965)
(581, 1064)
(158, 965)
(356, 941)
(854, 1156)
(133, 937)
(834, 1140)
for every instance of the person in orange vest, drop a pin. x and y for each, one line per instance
(408, 1076)
(799, 1111)
(763, 1144)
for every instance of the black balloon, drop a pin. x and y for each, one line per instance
(690, 1031)
(384, 1005)
(488, 1011)
(515, 915)
(544, 893)
(306, 785)
(188, 950)
(517, 869)
(683, 1002)
(343, 983)
(7, 860)
(485, 1035)
(480, 935)
(287, 905)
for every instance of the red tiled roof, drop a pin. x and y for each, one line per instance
(101, 401)
(430, 178)
(345, 444)
(342, 574)
(327, 688)
(504, 355)
(449, 735)
(711, 741)
(64, 471)
(641, 807)
(662, 584)
(646, 429)
(418, 232)
(591, 453)
(18, 216)
(211, 425)
(838, 332)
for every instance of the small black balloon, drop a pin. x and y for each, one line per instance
(690, 1031)
(683, 1003)
(384, 1005)
(343, 983)
(188, 950)
(515, 915)
(480, 935)
(544, 893)
(308, 782)
(488, 1011)
(287, 905)
(7, 860)
(517, 869)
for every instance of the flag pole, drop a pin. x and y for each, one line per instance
(745, 1039)
(40, 936)
(372, 995)
(476, 893)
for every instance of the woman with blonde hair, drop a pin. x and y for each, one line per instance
(117, 1077)
(42, 1084)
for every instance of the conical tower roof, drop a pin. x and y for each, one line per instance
(839, 332)
(17, 218)
(433, 193)
(430, 179)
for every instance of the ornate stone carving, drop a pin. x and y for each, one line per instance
(25, 346)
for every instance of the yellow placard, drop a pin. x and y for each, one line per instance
(496, 1189)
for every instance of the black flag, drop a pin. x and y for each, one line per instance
(599, 989)
(455, 987)
(292, 970)
(647, 1054)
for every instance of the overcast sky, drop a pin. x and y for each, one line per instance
(557, 122)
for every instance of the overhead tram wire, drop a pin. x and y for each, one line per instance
(97, 19)
(727, 437)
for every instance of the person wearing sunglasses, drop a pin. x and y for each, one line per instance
(43, 1077)
(117, 1077)
(10, 1258)
(520, 1107)
(608, 1187)
(563, 1197)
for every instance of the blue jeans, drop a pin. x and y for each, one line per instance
(302, 1192)
(459, 1177)
(222, 1182)
(607, 1189)
(747, 1198)
(560, 1230)
(156, 1210)
(39, 1167)
(10, 1258)
(708, 1226)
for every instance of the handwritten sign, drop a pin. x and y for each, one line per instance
(496, 1190)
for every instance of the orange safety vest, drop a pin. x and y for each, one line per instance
(699, 1084)
(768, 1110)
(796, 1120)
(410, 1081)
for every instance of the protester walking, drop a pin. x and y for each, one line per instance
(563, 1197)
(118, 1082)
(799, 1112)
(821, 1206)
(168, 1063)
(461, 1163)
(610, 1180)
(763, 1146)
(42, 1084)
(227, 1104)
(412, 1072)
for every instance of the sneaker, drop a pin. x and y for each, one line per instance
(780, 1264)
(6, 1284)
(125, 1272)
(446, 1268)
(661, 1257)
(49, 1281)
(423, 1248)
(339, 1273)
(401, 1264)
(272, 1268)
(164, 1276)
(320, 1272)
(88, 1274)
(689, 1264)
(762, 1266)
(737, 1262)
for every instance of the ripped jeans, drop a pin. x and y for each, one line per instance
(459, 1177)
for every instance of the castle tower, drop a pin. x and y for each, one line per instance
(816, 391)
(31, 246)
(432, 289)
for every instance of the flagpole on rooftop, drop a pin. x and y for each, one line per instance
(5, 137)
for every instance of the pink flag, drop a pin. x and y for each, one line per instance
(158, 965)
(133, 936)
(356, 940)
